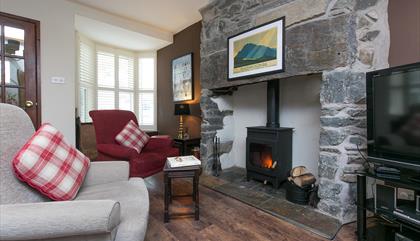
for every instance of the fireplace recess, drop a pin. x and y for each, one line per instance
(269, 148)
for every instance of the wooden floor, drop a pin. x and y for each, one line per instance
(222, 218)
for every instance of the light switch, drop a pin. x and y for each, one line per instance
(57, 80)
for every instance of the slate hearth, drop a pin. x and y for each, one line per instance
(232, 182)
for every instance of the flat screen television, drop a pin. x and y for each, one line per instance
(393, 116)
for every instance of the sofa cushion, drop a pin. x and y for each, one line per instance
(50, 165)
(134, 201)
(131, 136)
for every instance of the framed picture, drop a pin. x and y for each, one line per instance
(257, 51)
(182, 78)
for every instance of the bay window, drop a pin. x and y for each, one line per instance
(111, 78)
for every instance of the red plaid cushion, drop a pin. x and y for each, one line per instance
(131, 136)
(47, 163)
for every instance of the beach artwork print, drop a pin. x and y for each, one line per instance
(257, 51)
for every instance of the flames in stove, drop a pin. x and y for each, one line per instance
(261, 156)
(267, 160)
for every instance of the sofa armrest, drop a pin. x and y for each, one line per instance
(48, 220)
(117, 151)
(102, 172)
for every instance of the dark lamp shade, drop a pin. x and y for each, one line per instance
(182, 109)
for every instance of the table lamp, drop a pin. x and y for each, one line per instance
(181, 109)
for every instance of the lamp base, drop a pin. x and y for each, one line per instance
(181, 128)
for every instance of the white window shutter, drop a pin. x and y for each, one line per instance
(86, 80)
(126, 72)
(146, 73)
(146, 109)
(147, 92)
(105, 68)
(106, 99)
(126, 101)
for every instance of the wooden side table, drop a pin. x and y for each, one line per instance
(185, 145)
(181, 172)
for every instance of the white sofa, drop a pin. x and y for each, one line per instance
(109, 205)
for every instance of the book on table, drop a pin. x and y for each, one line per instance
(183, 161)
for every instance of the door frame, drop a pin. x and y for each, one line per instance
(37, 25)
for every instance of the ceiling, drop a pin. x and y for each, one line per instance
(116, 36)
(168, 15)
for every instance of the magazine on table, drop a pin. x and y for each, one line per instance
(183, 161)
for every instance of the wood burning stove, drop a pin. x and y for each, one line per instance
(269, 148)
(269, 154)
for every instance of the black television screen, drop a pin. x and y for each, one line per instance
(393, 104)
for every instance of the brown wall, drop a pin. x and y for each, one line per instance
(186, 41)
(404, 23)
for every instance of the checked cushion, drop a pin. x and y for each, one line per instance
(50, 165)
(131, 136)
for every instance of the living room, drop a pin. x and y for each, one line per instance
(209, 120)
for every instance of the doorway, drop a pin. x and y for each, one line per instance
(20, 65)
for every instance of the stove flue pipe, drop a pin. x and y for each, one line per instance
(273, 94)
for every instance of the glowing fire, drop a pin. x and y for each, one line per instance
(266, 160)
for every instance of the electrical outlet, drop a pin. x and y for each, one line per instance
(57, 80)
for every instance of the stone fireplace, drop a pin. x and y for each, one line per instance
(337, 40)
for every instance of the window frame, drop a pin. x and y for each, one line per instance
(135, 91)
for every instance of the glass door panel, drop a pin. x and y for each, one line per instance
(19, 65)
(14, 41)
(15, 96)
(14, 72)
(13, 65)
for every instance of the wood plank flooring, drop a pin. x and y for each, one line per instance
(222, 218)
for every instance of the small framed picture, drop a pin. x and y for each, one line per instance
(183, 78)
(257, 51)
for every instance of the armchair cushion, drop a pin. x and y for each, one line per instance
(50, 165)
(157, 144)
(131, 136)
(58, 219)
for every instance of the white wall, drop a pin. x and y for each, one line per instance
(57, 58)
(299, 108)
(250, 109)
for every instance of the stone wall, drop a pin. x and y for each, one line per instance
(213, 122)
(343, 103)
(314, 41)
(342, 39)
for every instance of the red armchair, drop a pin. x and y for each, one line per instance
(108, 123)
